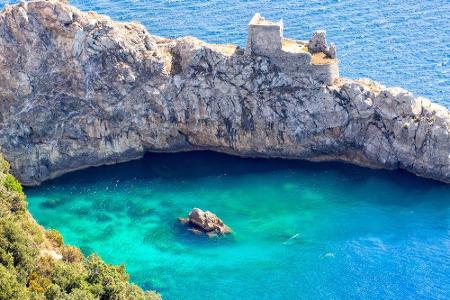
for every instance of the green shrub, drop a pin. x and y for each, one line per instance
(109, 277)
(71, 254)
(6, 258)
(10, 288)
(14, 242)
(79, 294)
(12, 184)
(4, 165)
(53, 292)
(68, 276)
(55, 237)
(33, 231)
(38, 283)
(18, 204)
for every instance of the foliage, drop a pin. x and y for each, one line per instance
(71, 254)
(38, 283)
(10, 288)
(4, 166)
(35, 263)
(12, 184)
(55, 237)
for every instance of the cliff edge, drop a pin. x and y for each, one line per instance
(78, 89)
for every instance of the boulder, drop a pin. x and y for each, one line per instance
(206, 222)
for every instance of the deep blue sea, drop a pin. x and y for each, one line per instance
(301, 230)
(396, 42)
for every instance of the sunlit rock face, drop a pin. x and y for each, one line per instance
(78, 89)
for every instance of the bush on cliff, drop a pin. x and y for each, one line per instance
(35, 263)
(12, 184)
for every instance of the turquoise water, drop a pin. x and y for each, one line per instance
(301, 230)
(401, 43)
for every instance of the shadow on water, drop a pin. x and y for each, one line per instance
(172, 236)
(52, 203)
(187, 237)
(200, 164)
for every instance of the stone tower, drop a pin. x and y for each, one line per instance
(300, 59)
(264, 37)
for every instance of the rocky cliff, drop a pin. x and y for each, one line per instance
(78, 89)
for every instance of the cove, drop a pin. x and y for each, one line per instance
(301, 230)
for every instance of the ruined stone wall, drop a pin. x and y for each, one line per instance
(264, 40)
(299, 65)
(264, 37)
(325, 73)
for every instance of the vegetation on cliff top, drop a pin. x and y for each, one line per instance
(36, 264)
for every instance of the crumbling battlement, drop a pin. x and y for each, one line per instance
(312, 58)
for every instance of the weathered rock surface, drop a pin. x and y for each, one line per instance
(78, 89)
(205, 221)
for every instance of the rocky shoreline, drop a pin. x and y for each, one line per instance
(79, 90)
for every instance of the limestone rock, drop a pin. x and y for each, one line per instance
(78, 89)
(51, 253)
(205, 221)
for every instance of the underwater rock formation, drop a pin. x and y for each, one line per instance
(78, 89)
(205, 221)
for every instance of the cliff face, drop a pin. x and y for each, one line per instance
(78, 89)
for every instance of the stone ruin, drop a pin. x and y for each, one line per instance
(318, 43)
(264, 37)
(314, 58)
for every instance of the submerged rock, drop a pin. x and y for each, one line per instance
(205, 222)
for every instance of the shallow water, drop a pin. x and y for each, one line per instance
(301, 230)
(401, 43)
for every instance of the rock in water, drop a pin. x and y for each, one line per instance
(205, 221)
